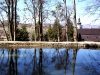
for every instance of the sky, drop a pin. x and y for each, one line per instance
(86, 19)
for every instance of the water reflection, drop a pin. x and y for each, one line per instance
(74, 60)
(40, 61)
(12, 62)
(43, 61)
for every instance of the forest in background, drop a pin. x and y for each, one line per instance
(39, 14)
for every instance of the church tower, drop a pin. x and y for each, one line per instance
(79, 26)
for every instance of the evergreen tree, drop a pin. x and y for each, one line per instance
(53, 31)
(70, 30)
(57, 30)
(70, 33)
(22, 34)
(50, 33)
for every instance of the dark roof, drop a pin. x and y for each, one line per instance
(91, 38)
(89, 31)
(90, 34)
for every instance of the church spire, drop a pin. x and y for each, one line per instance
(79, 26)
(79, 22)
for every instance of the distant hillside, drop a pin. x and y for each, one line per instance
(5, 23)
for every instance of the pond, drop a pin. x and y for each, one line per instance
(49, 61)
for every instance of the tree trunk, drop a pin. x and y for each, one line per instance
(66, 27)
(58, 30)
(9, 22)
(41, 31)
(12, 17)
(74, 21)
(40, 19)
(35, 22)
(34, 17)
(15, 17)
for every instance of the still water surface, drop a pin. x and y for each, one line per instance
(49, 61)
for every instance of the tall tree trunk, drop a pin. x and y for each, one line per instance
(41, 31)
(74, 22)
(35, 21)
(9, 22)
(58, 30)
(66, 26)
(12, 17)
(34, 17)
(40, 19)
(15, 17)
(35, 29)
(58, 36)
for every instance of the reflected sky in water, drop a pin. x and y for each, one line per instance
(49, 61)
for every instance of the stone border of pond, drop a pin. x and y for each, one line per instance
(44, 44)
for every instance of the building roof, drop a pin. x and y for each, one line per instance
(95, 38)
(90, 34)
(89, 31)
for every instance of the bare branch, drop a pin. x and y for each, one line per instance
(2, 22)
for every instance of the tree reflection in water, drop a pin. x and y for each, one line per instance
(3, 63)
(61, 60)
(12, 62)
(41, 61)
(74, 60)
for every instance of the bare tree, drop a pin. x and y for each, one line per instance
(3, 25)
(9, 6)
(74, 21)
(15, 18)
(40, 17)
(8, 3)
(57, 14)
(66, 19)
(5, 8)
(35, 10)
(32, 7)
(35, 7)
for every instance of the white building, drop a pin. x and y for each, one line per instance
(79, 26)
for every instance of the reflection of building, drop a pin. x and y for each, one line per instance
(88, 34)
